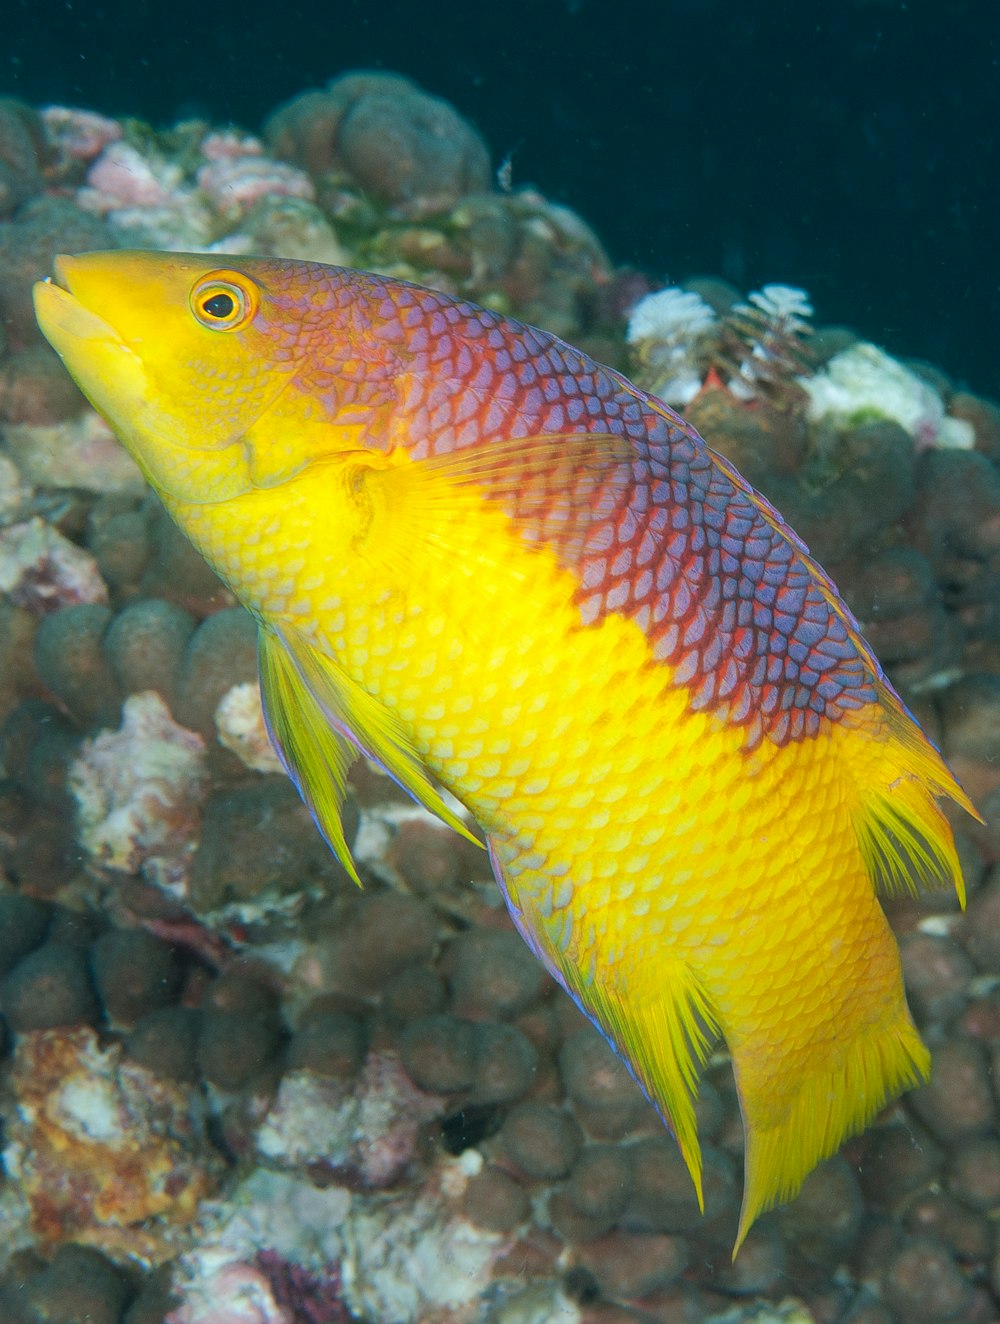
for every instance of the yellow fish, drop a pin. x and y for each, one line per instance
(497, 567)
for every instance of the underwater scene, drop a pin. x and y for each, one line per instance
(488, 733)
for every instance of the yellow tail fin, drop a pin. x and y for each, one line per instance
(905, 843)
(829, 1105)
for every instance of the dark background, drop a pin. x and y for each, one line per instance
(848, 147)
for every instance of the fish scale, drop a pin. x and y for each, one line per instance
(497, 567)
(725, 540)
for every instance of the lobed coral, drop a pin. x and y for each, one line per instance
(405, 148)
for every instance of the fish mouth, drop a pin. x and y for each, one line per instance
(63, 318)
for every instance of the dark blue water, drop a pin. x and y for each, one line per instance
(850, 148)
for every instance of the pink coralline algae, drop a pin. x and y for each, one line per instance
(147, 193)
(78, 135)
(138, 792)
(230, 145)
(123, 177)
(79, 452)
(233, 184)
(367, 1128)
(147, 198)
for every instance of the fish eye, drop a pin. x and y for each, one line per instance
(224, 301)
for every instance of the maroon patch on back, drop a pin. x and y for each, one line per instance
(672, 537)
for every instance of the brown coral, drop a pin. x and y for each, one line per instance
(406, 149)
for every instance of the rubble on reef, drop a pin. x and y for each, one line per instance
(236, 1090)
(100, 1147)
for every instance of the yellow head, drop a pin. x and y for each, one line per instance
(218, 374)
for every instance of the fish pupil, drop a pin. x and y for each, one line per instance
(221, 305)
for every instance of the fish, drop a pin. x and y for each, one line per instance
(532, 592)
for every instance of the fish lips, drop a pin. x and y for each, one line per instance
(106, 369)
(61, 315)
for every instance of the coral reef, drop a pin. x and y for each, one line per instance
(235, 1088)
(756, 348)
(102, 1148)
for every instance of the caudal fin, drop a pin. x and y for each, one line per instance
(905, 843)
(835, 1100)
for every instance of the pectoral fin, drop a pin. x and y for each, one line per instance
(555, 489)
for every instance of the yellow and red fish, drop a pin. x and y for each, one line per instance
(497, 567)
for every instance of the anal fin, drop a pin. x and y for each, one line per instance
(663, 1024)
(665, 1032)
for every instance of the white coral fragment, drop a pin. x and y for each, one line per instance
(220, 1281)
(138, 789)
(400, 1257)
(863, 384)
(408, 1260)
(370, 1125)
(239, 722)
(225, 1291)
